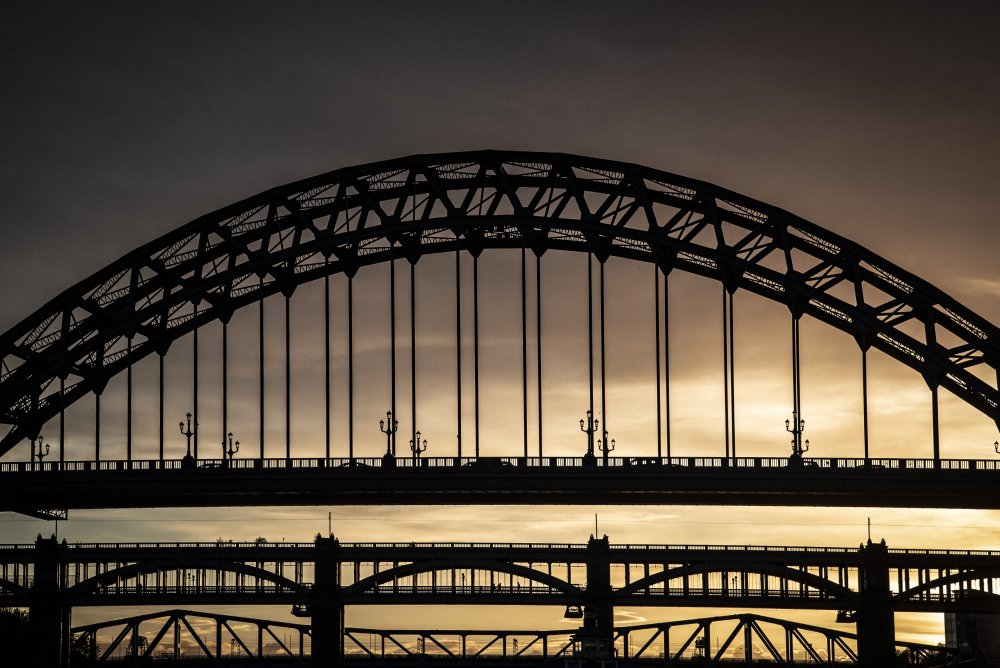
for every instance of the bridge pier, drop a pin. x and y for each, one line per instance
(876, 624)
(48, 618)
(326, 608)
(599, 610)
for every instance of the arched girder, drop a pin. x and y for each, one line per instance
(419, 567)
(954, 578)
(90, 585)
(357, 216)
(776, 570)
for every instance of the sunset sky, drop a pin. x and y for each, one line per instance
(121, 123)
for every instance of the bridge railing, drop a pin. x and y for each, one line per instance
(739, 548)
(506, 463)
(502, 546)
(466, 590)
(195, 545)
(211, 589)
(28, 549)
(659, 590)
(969, 553)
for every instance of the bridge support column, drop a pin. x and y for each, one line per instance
(599, 611)
(326, 608)
(876, 624)
(48, 618)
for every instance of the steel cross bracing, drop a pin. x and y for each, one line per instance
(358, 216)
(497, 573)
(230, 636)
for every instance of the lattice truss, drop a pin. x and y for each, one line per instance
(217, 636)
(350, 218)
(179, 633)
(753, 637)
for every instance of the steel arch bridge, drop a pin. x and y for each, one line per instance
(344, 220)
(465, 204)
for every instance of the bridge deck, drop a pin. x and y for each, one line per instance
(845, 482)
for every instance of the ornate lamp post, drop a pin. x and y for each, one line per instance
(227, 455)
(416, 447)
(589, 426)
(795, 427)
(188, 461)
(39, 454)
(996, 446)
(388, 426)
(606, 447)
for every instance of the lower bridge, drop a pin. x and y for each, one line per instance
(185, 637)
(865, 585)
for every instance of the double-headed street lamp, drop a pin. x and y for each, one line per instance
(39, 454)
(190, 431)
(606, 447)
(416, 447)
(589, 426)
(388, 426)
(795, 427)
(227, 455)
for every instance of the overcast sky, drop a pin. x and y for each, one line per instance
(121, 121)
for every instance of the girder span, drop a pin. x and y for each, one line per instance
(822, 585)
(962, 577)
(358, 216)
(372, 582)
(130, 571)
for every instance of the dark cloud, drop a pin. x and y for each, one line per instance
(122, 121)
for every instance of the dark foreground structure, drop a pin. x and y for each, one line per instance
(746, 639)
(866, 585)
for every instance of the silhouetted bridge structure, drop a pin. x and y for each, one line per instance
(195, 279)
(233, 639)
(99, 350)
(505, 480)
(866, 584)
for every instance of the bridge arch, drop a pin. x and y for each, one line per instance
(90, 585)
(358, 216)
(784, 572)
(972, 575)
(420, 567)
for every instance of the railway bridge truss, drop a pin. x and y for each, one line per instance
(227, 638)
(149, 329)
